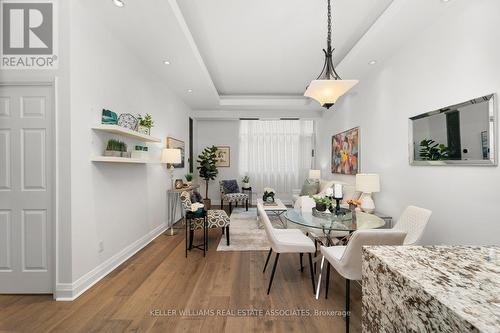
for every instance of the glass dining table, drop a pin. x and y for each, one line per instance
(330, 224)
(343, 222)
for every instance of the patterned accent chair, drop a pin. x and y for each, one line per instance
(215, 219)
(230, 193)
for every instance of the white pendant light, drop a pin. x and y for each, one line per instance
(328, 87)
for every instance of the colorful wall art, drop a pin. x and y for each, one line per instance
(345, 152)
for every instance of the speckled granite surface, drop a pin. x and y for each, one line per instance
(431, 289)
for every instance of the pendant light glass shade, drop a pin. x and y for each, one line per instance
(326, 92)
(328, 87)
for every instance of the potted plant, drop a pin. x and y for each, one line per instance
(268, 195)
(123, 150)
(113, 148)
(246, 182)
(145, 123)
(207, 168)
(189, 178)
(322, 203)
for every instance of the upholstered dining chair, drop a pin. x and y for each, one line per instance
(286, 241)
(413, 221)
(347, 259)
(216, 218)
(230, 193)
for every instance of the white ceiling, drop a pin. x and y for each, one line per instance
(264, 47)
(253, 56)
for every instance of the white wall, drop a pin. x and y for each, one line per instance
(451, 61)
(218, 133)
(117, 204)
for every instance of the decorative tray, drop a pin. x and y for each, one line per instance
(327, 215)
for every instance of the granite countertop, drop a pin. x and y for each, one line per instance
(465, 279)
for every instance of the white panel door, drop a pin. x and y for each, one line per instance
(26, 189)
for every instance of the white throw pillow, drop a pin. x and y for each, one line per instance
(323, 185)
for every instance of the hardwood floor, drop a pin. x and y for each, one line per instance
(148, 292)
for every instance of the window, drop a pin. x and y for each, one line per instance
(276, 153)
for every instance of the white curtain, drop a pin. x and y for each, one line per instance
(276, 153)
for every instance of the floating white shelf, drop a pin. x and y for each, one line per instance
(115, 129)
(112, 159)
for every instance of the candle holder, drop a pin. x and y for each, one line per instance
(337, 206)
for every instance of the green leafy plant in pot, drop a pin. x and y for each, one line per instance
(322, 203)
(115, 148)
(145, 123)
(189, 178)
(207, 168)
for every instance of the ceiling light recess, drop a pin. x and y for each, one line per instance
(328, 86)
(119, 3)
(166, 62)
(372, 62)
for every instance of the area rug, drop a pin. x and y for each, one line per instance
(245, 234)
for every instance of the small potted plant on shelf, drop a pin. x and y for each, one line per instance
(322, 203)
(189, 179)
(268, 195)
(113, 148)
(246, 182)
(145, 124)
(123, 149)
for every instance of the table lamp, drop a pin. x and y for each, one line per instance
(171, 156)
(314, 174)
(367, 183)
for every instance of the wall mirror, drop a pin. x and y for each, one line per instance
(461, 134)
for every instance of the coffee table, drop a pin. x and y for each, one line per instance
(278, 209)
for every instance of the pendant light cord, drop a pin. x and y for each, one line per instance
(329, 38)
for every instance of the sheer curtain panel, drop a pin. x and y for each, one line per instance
(276, 153)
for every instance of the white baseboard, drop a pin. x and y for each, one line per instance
(70, 291)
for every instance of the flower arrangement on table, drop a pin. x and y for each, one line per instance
(246, 182)
(354, 204)
(268, 194)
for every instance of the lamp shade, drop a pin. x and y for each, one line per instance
(172, 156)
(314, 174)
(367, 182)
(326, 92)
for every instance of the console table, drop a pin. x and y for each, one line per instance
(173, 201)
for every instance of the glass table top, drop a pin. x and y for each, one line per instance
(342, 222)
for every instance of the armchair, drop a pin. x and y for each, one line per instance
(214, 219)
(230, 193)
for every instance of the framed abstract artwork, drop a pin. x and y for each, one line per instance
(345, 152)
(174, 143)
(223, 156)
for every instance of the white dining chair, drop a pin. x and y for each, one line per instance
(413, 221)
(286, 241)
(347, 259)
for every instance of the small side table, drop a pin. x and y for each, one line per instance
(386, 218)
(249, 190)
(189, 239)
(174, 202)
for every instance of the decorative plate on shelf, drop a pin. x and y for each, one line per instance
(128, 121)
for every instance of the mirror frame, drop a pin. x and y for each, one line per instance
(492, 109)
